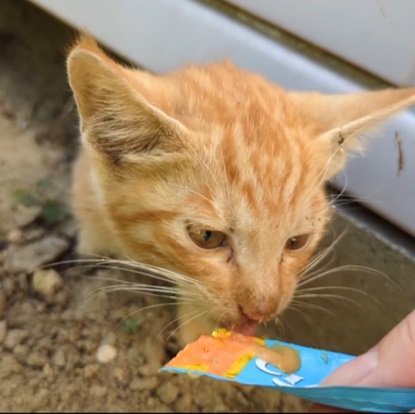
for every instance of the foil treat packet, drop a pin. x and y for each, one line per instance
(286, 367)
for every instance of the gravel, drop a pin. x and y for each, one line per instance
(29, 257)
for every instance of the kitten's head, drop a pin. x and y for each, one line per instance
(216, 173)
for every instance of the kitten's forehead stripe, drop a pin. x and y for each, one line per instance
(144, 216)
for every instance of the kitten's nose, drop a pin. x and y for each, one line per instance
(257, 312)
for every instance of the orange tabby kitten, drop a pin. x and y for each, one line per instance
(214, 174)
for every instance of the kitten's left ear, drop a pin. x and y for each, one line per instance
(117, 121)
(341, 119)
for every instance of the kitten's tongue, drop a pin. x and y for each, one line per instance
(247, 329)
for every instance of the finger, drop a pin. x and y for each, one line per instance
(389, 363)
(396, 358)
(354, 371)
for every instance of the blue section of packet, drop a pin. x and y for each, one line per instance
(316, 365)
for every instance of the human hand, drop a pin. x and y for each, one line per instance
(390, 363)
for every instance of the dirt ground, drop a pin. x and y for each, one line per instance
(51, 329)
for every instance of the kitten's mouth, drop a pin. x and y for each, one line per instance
(248, 328)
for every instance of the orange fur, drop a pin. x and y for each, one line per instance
(219, 147)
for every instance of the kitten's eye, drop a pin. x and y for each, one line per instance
(297, 242)
(206, 238)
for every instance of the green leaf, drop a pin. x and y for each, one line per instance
(26, 197)
(131, 326)
(53, 212)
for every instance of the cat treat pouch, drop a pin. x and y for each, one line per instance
(287, 367)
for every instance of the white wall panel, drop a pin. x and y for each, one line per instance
(164, 34)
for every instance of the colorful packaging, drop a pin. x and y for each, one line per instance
(295, 369)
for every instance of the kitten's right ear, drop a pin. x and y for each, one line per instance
(340, 120)
(115, 119)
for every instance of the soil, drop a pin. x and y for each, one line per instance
(64, 345)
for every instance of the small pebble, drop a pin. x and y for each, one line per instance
(47, 370)
(24, 215)
(106, 353)
(3, 304)
(22, 282)
(167, 392)
(21, 350)
(15, 236)
(90, 370)
(98, 391)
(151, 368)
(59, 358)
(183, 403)
(3, 331)
(15, 337)
(47, 282)
(72, 356)
(37, 359)
(8, 286)
(109, 339)
(120, 375)
(142, 384)
(9, 365)
(27, 258)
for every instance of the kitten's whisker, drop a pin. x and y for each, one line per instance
(315, 276)
(175, 320)
(189, 190)
(95, 292)
(72, 261)
(329, 296)
(224, 171)
(141, 272)
(163, 272)
(322, 176)
(131, 286)
(144, 270)
(134, 284)
(140, 288)
(145, 308)
(163, 291)
(313, 305)
(334, 198)
(343, 189)
(302, 313)
(320, 256)
(149, 307)
(282, 325)
(146, 274)
(182, 325)
(127, 285)
(333, 287)
(140, 268)
(194, 288)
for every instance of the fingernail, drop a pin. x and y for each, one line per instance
(354, 371)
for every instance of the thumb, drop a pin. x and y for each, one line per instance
(388, 364)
